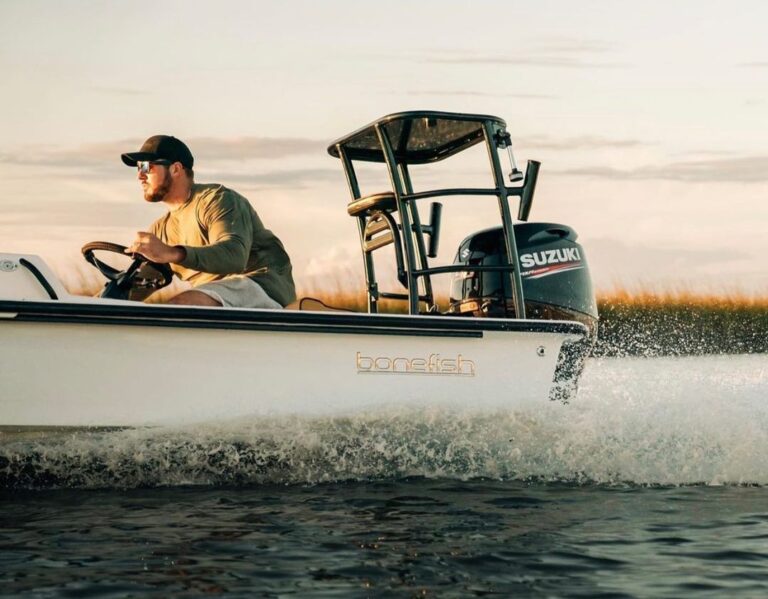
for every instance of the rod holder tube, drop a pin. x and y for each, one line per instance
(435, 214)
(529, 188)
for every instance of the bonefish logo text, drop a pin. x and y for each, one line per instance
(434, 365)
(550, 262)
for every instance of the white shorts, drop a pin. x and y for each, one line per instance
(238, 292)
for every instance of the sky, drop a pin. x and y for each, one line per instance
(650, 120)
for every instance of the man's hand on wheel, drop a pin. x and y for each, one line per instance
(154, 250)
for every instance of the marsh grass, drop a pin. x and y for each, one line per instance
(681, 323)
(631, 323)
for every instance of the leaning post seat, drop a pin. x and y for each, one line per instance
(379, 228)
(384, 202)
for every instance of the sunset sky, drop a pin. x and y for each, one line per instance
(650, 119)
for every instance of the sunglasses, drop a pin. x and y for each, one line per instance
(145, 166)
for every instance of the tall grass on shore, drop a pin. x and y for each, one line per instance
(674, 323)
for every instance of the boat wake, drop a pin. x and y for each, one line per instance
(661, 421)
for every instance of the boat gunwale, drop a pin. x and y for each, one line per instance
(275, 320)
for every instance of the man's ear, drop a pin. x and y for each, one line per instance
(176, 169)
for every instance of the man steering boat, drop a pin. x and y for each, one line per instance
(211, 236)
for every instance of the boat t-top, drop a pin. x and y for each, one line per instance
(519, 322)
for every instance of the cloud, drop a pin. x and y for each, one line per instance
(118, 91)
(746, 169)
(105, 155)
(569, 62)
(72, 212)
(583, 142)
(290, 178)
(478, 94)
(247, 148)
(572, 45)
(701, 153)
(658, 266)
(559, 53)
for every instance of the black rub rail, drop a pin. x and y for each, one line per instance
(268, 320)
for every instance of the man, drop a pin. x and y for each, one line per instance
(211, 236)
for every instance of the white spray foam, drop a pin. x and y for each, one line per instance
(639, 421)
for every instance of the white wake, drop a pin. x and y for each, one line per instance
(636, 421)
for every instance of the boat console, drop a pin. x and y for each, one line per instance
(516, 270)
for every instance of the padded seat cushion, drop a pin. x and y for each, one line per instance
(378, 201)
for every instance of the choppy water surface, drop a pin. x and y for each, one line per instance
(651, 483)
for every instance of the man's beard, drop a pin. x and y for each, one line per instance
(161, 191)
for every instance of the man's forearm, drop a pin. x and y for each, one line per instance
(153, 249)
(228, 257)
(179, 254)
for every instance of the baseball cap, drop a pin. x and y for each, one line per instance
(161, 147)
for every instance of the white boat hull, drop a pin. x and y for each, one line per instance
(86, 362)
(68, 374)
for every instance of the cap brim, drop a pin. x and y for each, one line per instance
(132, 158)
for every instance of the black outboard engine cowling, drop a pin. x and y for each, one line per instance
(556, 281)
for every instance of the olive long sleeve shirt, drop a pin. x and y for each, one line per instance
(223, 235)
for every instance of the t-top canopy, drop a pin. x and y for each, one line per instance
(417, 137)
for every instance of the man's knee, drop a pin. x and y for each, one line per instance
(194, 298)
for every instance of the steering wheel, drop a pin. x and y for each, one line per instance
(141, 274)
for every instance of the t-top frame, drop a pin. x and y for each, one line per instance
(421, 137)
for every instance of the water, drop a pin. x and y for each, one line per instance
(651, 483)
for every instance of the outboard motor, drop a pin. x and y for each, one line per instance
(555, 276)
